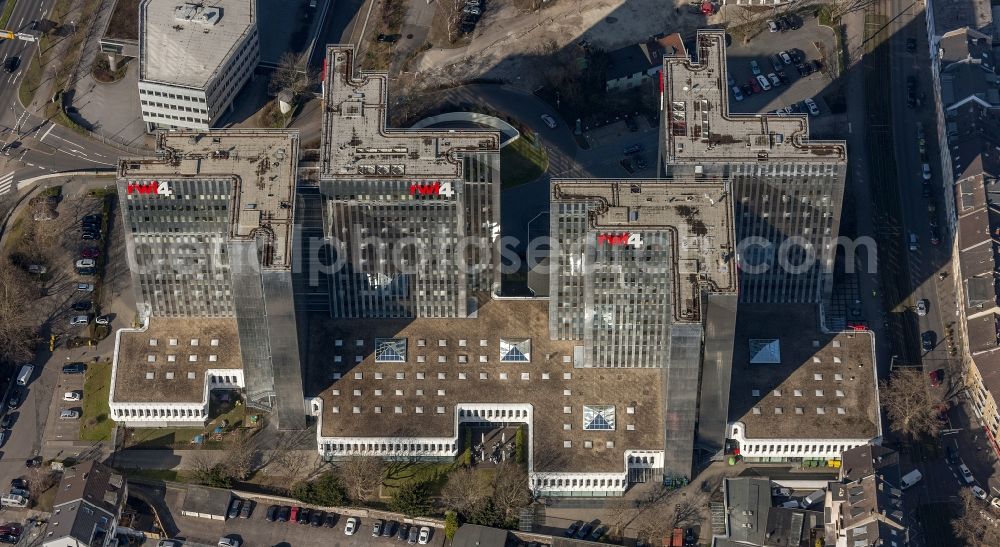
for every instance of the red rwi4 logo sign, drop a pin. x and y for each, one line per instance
(431, 189)
(156, 187)
(632, 240)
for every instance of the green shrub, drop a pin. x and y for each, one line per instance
(411, 499)
(450, 525)
(325, 491)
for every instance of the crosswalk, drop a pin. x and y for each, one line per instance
(6, 183)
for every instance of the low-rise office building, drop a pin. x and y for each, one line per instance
(163, 373)
(799, 393)
(193, 60)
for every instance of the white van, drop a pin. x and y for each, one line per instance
(909, 479)
(813, 499)
(966, 474)
(25, 375)
(13, 500)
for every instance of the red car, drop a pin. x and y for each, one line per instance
(754, 84)
(295, 513)
(89, 252)
(937, 376)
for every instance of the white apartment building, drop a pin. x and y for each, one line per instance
(193, 60)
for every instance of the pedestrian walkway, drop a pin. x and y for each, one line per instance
(6, 183)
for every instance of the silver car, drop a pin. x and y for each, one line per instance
(922, 307)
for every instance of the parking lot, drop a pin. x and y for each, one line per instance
(256, 531)
(811, 43)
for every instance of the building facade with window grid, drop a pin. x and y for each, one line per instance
(788, 188)
(412, 216)
(209, 233)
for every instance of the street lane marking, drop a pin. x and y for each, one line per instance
(49, 130)
(5, 183)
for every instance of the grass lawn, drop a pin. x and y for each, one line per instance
(522, 162)
(181, 437)
(8, 10)
(96, 424)
(400, 473)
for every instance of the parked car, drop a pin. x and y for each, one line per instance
(927, 340)
(72, 396)
(775, 81)
(776, 61)
(598, 532)
(247, 509)
(234, 508)
(90, 236)
(82, 305)
(284, 513)
(764, 83)
(755, 67)
(89, 252)
(87, 271)
(388, 38)
(79, 320)
(12, 63)
(412, 538)
(86, 263)
(936, 376)
(37, 269)
(69, 414)
(549, 121)
(781, 76)
(404, 532)
(331, 520)
(303, 516)
(935, 236)
(389, 529)
(85, 287)
(351, 526)
(103, 320)
(425, 535)
(755, 85)
(925, 171)
(746, 89)
(229, 541)
(633, 149)
(14, 400)
(584, 530)
(911, 45)
(785, 57)
(772, 26)
(272, 513)
(979, 492)
(953, 457)
(74, 368)
(737, 94)
(922, 307)
(316, 518)
(812, 106)
(572, 528)
(377, 528)
(7, 422)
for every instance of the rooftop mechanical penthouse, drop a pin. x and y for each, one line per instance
(413, 215)
(787, 189)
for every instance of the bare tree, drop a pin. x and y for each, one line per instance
(293, 75)
(17, 329)
(361, 476)
(910, 408)
(243, 457)
(843, 7)
(451, 10)
(466, 490)
(510, 489)
(977, 523)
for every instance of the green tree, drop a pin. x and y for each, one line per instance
(216, 476)
(450, 525)
(411, 499)
(325, 491)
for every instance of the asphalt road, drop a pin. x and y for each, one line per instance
(45, 147)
